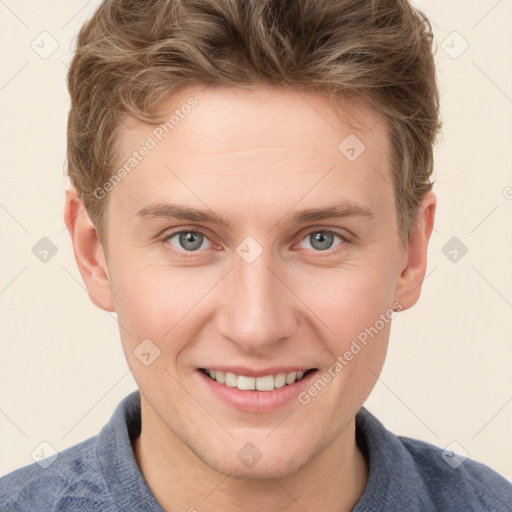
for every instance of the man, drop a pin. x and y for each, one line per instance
(258, 205)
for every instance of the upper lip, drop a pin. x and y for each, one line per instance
(243, 370)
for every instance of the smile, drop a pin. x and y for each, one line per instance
(264, 383)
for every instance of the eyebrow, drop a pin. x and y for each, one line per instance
(174, 211)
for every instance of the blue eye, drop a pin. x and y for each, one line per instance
(189, 239)
(192, 240)
(322, 240)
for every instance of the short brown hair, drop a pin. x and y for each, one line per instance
(133, 54)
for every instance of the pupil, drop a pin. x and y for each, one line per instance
(188, 238)
(325, 240)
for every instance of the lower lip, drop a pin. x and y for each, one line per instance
(256, 401)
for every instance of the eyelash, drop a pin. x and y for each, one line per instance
(344, 239)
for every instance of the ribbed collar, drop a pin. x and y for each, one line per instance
(393, 477)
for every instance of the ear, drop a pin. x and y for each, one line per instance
(88, 250)
(408, 288)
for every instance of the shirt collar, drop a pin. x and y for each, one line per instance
(392, 475)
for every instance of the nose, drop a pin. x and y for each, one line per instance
(258, 309)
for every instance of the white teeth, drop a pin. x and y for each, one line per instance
(266, 383)
(230, 379)
(280, 380)
(244, 383)
(290, 377)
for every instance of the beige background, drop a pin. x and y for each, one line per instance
(447, 377)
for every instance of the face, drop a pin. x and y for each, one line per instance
(263, 285)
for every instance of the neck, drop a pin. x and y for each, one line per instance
(332, 482)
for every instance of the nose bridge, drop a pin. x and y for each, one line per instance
(259, 311)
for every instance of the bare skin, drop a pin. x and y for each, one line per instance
(253, 159)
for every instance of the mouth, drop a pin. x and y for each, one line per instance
(249, 383)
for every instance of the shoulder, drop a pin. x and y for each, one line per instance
(452, 478)
(72, 481)
(425, 477)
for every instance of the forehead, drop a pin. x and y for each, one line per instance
(271, 144)
(215, 120)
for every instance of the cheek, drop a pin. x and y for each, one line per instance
(357, 308)
(349, 300)
(158, 302)
(359, 312)
(164, 304)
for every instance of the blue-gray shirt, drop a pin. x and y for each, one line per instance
(101, 474)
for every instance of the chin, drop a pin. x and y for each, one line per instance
(259, 472)
(277, 466)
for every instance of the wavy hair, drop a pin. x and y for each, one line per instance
(133, 54)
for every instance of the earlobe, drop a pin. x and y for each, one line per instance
(409, 283)
(88, 251)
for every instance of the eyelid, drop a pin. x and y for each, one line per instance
(307, 232)
(171, 234)
(342, 233)
(345, 239)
